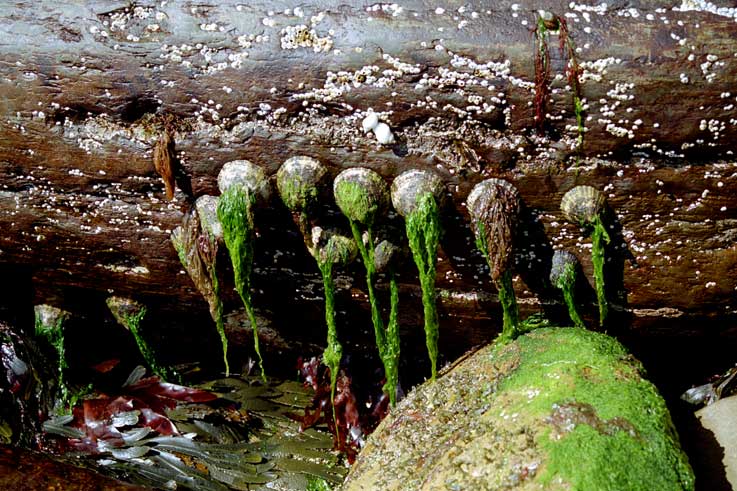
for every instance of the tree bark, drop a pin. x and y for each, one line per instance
(86, 91)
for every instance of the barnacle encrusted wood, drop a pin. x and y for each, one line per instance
(85, 86)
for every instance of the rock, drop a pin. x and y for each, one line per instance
(719, 418)
(558, 408)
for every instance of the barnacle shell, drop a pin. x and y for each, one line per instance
(361, 194)
(411, 185)
(124, 308)
(249, 176)
(494, 206)
(561, 272)
(582, 204)
(299, 180)
(207, 207)
(385, 254)
(332, 246)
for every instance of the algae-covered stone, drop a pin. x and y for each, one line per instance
(556, 409)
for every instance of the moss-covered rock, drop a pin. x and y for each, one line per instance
(558, 408)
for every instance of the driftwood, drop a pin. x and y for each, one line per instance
(87, 91)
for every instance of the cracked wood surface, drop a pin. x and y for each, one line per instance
(87, 89)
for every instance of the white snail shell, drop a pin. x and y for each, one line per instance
(384, 134)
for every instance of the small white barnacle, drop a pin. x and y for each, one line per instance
(384, 134)
(370, 122)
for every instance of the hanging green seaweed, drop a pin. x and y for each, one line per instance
(423, 233)
(494, 206)
(197, 246)
(584, 206)
(416, 195)
(235, 212)
(337, 250)
(361, 194)
(129, 314)
(49, 325)
(563, 276)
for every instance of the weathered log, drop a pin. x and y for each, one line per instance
(88, 90)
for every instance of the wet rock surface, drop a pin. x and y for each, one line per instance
(557, 408)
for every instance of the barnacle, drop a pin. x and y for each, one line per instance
(584, 206)
(243, 185)
(563, 276)
(494, 206)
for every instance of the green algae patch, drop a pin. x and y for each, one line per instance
(49, 326)
(129, 314)
(555, 409)
(599, 239)
(235, 212)
(423, 233)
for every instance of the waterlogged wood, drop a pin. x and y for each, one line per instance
(28, 471)
(87, 91)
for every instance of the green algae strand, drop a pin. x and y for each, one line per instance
(584, 206)
(49, 325)
(563, 276)
(361, 195)
(235, 212)
(423, 233)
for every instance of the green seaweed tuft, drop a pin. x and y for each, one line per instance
(599, 238)
(334, 351)
(566, 282)
(54, 335)
(387, 339)
(133, 324)
(356, 202)
(423, 233)
(235, 212)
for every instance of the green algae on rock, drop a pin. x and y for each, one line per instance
(49, 325)
(494, 206)
(243, 185)
(563, 276)
(556, 409)
(332, 249)
(129, 314)
(584, 206)
(417, 196)
(196, 245)
(361, 194)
